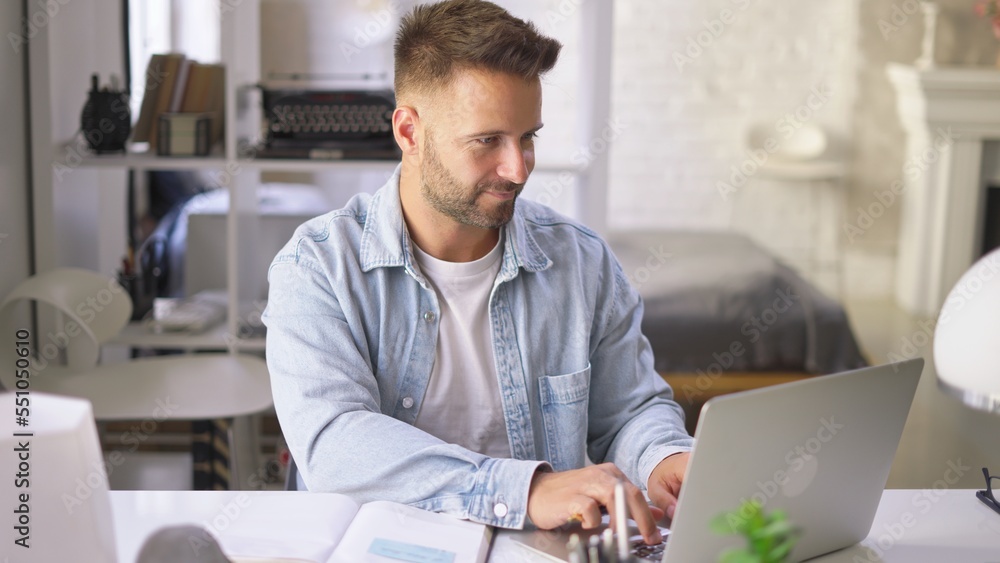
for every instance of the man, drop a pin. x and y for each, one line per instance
(444, 345)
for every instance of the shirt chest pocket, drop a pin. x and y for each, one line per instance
(565, 399)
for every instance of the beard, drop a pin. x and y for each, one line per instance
(448, 196)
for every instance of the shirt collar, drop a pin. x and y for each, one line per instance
(385, 241)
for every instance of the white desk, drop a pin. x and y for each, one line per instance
(911, 526)
(927, 526)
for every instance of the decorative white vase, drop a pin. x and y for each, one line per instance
(930, 10)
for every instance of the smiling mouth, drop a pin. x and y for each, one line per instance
(504, 195)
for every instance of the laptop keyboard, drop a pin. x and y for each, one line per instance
(648, 552)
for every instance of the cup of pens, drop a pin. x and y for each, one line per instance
(106, 120)
(601, 548)
(610, 546)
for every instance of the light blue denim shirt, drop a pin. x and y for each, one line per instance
(352, 327)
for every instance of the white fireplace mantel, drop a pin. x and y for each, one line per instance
(948, 114)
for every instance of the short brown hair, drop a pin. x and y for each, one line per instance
(435, 40)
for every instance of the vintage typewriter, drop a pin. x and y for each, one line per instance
(329, 124)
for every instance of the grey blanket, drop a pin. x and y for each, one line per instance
(718, 302)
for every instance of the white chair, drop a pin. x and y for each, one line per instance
(91, 309)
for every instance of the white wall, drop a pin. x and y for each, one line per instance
(14, 237)
(690, 81)
(688, 86)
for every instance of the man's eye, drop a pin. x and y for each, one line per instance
(486, 140)
(530, 136)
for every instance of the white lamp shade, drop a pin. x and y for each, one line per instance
(67, 513)
(967, 337)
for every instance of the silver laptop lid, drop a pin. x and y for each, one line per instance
(819, 449)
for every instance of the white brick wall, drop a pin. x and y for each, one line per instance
(686, 119)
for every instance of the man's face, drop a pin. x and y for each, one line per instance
(478, 147)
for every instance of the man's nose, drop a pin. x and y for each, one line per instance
(516, 164)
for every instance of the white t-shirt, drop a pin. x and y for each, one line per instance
(462, 403)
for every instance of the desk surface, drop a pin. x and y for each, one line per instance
(912, 526)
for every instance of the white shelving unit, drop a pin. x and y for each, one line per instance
(79, 207)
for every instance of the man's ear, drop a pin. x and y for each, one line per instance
(406, 129)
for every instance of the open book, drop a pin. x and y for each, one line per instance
(336, 529)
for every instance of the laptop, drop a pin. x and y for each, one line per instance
(819, 449)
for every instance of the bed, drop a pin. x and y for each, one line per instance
(724, 315)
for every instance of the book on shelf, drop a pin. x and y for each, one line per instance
(205, 92)
(375, 531)
(217, 101)
(180, 83)
(196, 92)
(176, 84)
(161, 81)
(156, 76)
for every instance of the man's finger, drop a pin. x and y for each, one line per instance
(642, 515)
(637, 506)
(663, 499)
(657, 513)
(587, 511)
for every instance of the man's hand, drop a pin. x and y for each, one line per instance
(665, 481)
(557, 498)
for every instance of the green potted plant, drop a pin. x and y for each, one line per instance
(770, 537)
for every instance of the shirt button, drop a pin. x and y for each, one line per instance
(429, 316)
(407, 402)
(500, 510)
